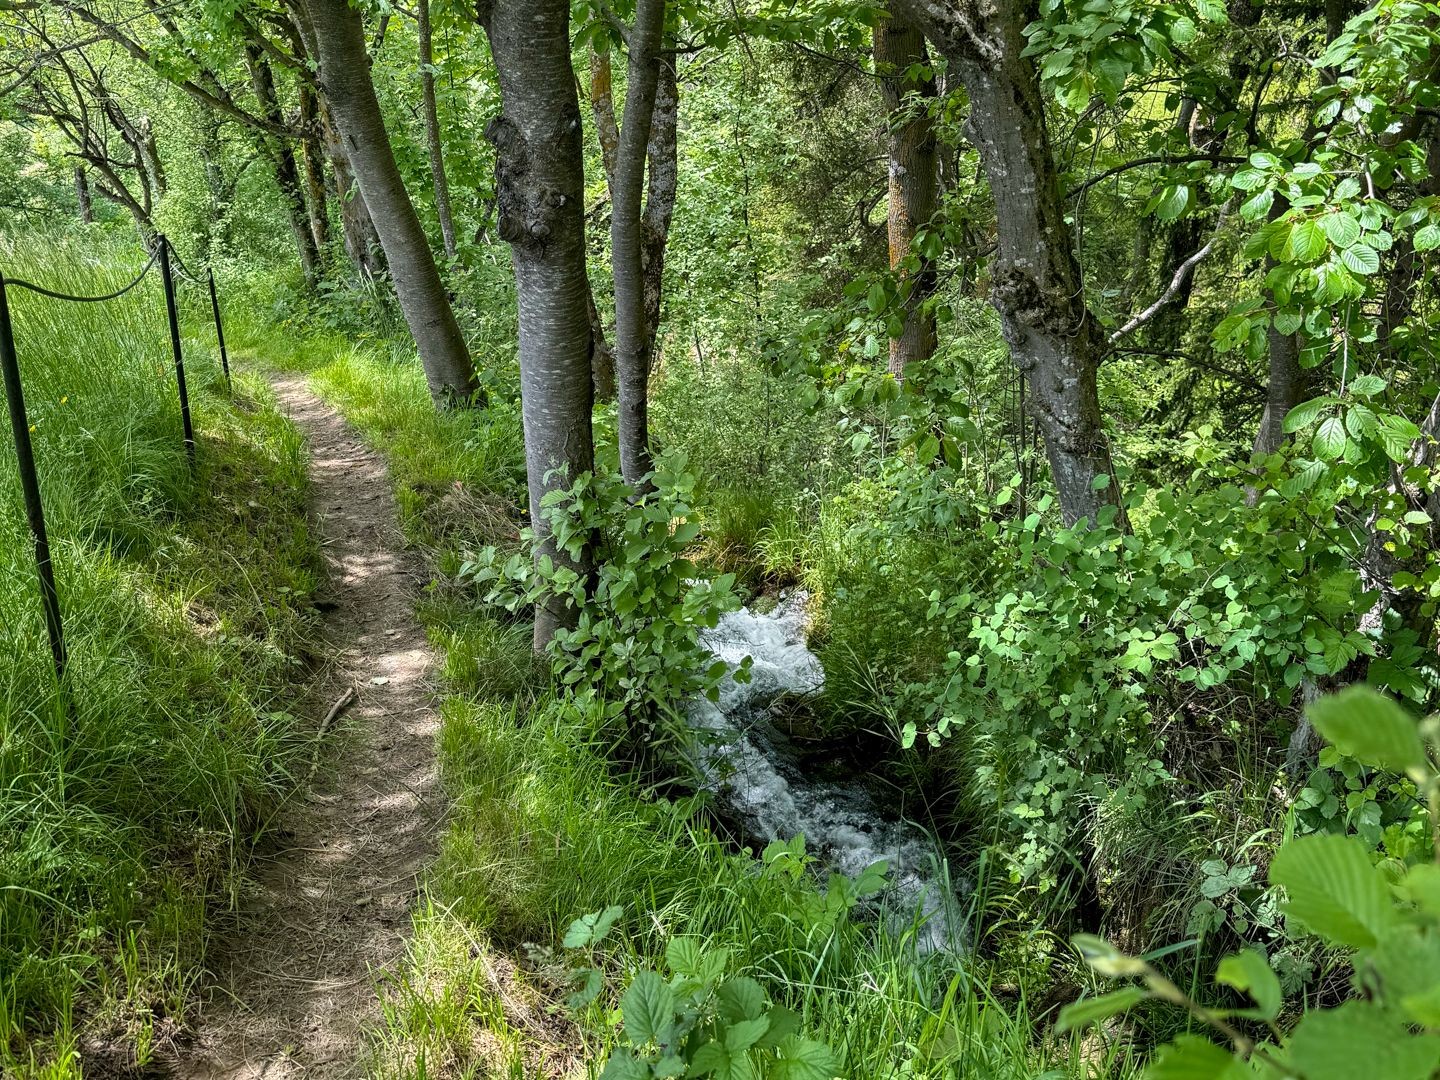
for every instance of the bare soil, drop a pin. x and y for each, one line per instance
(329, 910)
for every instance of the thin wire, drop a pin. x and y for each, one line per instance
(16, 283)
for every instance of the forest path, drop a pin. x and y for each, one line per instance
(330, 908)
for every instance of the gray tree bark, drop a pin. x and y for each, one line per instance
(540, 186)
(662, 182)
(632, 338)
(345, 81)
(1037, 288)
(914, 175)
(432, 127)
(362, 245)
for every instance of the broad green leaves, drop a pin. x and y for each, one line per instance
(648, 1008)
(700, 1023)
(1334, 890)
(1358, 1041)
(1372, 728)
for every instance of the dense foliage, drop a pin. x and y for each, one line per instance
(1076, 360)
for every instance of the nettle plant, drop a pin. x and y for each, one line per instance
(695, 1019)
(1387, 915)
(635, 647)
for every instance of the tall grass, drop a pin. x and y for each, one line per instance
(127, 799)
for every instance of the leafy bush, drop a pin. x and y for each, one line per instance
(1388, 916)
(700, 1021)
(634, 649)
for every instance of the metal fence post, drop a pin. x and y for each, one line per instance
(219, 329)
(30, 485)
(174, 317)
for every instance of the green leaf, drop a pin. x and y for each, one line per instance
(624, 1065)
(1089, 1011)
(648, 1007)
(1361, 259)
(1357, 1041)
(1329, 441)
(1191, 1057)
(1428, 238)
(741, 999)
(1371, 727)
(1366, 385)
(589, 929)
(1342, 229)
(710, 1059)
(1172, 202)
(1250, 973)
(804, 1059)
(742, 1036)
(1306, 243)
(1106, 958)
(1334, 890)
(783, 1023)
(1303, 415)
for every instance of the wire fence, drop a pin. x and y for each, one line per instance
(165, 256)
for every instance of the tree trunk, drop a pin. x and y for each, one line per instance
(602, 357)
(632, 336)
(82, 196)
(312, 155)
(432, 127)
(663, 176)
(540, 187)
(607, 132)
(914, 180)
(282, 158)
(1037, 289)
(362, 243)
(345, 82)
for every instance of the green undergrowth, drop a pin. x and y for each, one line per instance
(546, 827)
(129, 798)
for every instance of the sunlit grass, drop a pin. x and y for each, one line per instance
(128, 801)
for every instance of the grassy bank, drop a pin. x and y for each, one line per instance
(129, 800)
(547, 827)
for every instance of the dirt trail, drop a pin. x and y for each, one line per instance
(295, 981)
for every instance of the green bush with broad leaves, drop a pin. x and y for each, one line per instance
(1387, 915)
(634, 649)
(695, 1019)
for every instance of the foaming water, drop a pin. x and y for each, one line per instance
(762, 785)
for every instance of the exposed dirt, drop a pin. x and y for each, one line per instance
(330, 909)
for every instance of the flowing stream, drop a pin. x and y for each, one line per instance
(762, 784)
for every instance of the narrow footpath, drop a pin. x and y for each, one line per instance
(330, 909)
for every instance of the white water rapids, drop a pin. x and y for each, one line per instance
(748, 769)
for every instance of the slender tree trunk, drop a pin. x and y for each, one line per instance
(432, 127)
(632, 336)
(82, 196)
(362, 243)
(540, 187)
(607, 131)
(345, 82)
(602, 356)
(914, 180)
(1037, 288)
(662, 182)
(282, 158)
(312, 156)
